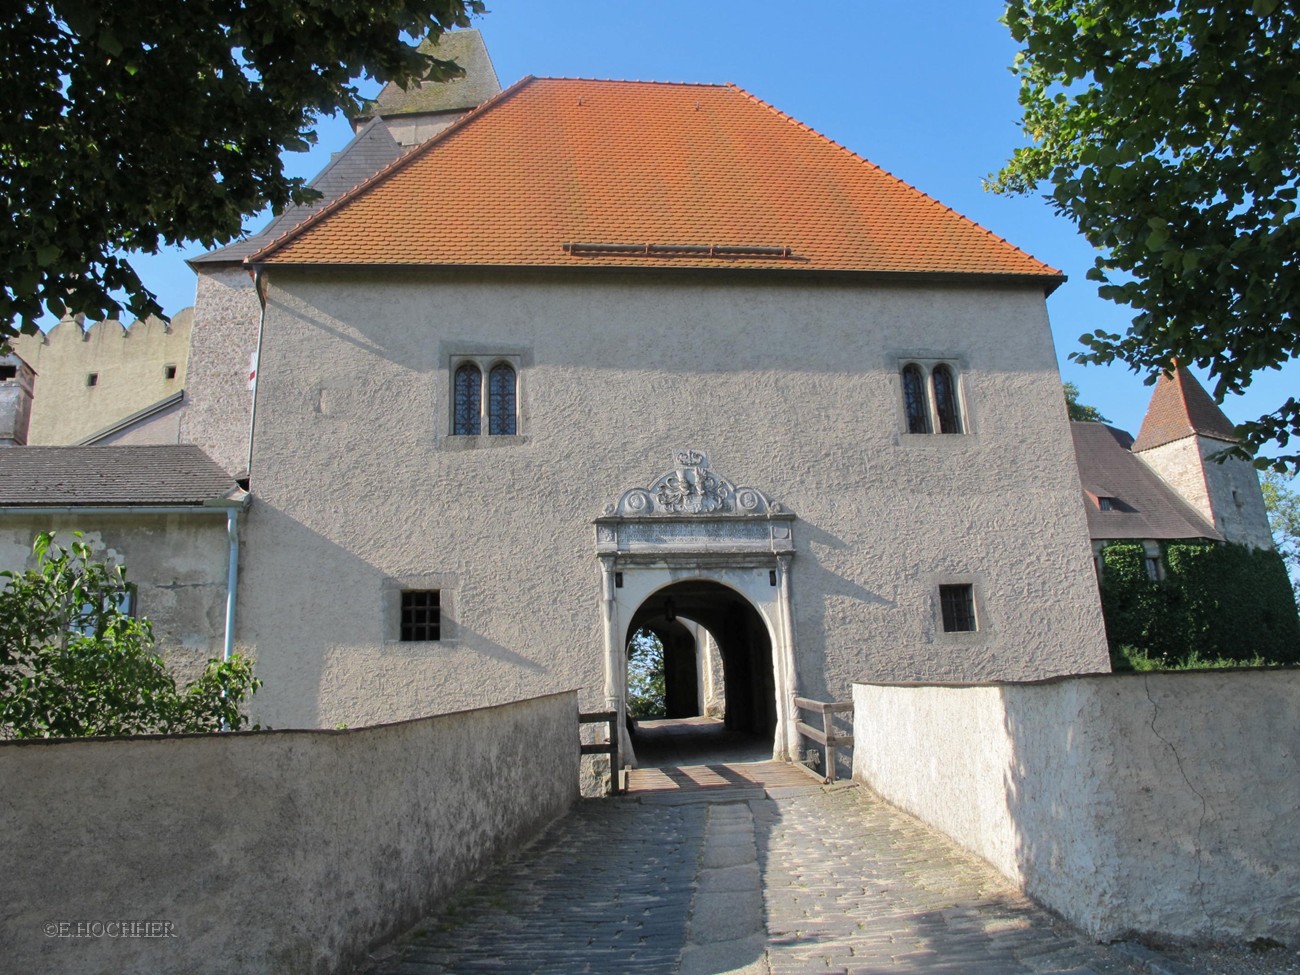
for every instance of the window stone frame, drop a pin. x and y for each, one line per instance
(391, 589)
(985, 630)
(927, 363)
(453, 356)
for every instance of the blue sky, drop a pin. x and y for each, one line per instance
(921, 88)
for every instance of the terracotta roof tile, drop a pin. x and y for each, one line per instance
(1180, 407)
(681, 168)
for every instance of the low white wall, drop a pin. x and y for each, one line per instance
(1152, 803)
(291, 851)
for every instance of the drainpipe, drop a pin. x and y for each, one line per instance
(232, 581)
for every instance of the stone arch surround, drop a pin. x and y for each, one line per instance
(690, 524)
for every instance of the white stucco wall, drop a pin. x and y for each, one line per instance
(130, 364)
(178, 563)
(1152, 803)
(217, 399)
(267, 851)
(792, 389)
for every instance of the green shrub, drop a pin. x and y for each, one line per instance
(1224, 603)
(74, 662)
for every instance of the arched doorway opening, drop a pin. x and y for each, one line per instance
(716, 665)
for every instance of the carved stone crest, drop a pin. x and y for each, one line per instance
(692, 487)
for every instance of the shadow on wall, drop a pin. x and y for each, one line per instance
(1159, 802)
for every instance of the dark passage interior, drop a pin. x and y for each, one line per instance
(747, 676)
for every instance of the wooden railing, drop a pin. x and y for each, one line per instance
(609, 747)
(826, 736)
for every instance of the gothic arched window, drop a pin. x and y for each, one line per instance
(468, 406)
(501, 400)
(914, 399)
(945, 399)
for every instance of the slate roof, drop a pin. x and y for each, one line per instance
(568, 173)
(477, 85)
(133, 475)
(370, 150)
(1180, 407)
(1145, 506)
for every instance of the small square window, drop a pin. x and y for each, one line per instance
(11, 372)
(169, 372)
(92, 379)
(421, 615)
(1106, 504)
(958, 606)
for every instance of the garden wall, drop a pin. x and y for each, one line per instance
(283, 851)
(1146, 802)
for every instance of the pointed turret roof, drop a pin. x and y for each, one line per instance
(1180, 407)
(475, 86)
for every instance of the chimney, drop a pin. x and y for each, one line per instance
(17, 381)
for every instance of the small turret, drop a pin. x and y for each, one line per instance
(1181, 433)
(17, 383)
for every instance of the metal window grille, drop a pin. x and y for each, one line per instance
(945, 400)
(501, 401)
(421, 615)
(958, 606)
(468, 404)
(918, 412)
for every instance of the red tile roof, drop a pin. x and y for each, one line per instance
(1180, 407)
(677, 175)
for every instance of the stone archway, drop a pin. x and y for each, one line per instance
(694, 525)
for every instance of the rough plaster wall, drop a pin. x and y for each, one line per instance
(163, 427)
(178, 563)
(15, 414)
(130, 363)
(1238, 500)
(268, 852)
(411, 130)
(1161, 802)
(791, 389)
(217, 400)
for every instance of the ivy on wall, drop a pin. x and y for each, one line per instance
(1216, 601)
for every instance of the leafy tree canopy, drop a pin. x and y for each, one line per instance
(1080, 411)
(1283, 506)
(1169, 132)
(130, 124)
(75, 662)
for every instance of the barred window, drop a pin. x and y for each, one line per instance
(931, 400)
(945, 399)
(914, 400)
(957, 603)
(468, 407)
(501, 400)
(421, 615)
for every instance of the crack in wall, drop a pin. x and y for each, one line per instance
(1205, 806)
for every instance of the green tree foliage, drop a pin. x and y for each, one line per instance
(646, 687)
(1283, 506)
(73, 662)
(1077, 410)
(1225, 602)
(130, 124)
(1169, 133)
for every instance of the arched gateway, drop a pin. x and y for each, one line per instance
(694, 536)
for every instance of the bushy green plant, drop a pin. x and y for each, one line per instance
(74, 662)
(1217, 603)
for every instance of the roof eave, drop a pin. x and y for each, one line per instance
(1048, 282)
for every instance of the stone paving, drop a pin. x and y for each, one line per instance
(826, 880)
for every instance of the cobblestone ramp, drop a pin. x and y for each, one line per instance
(825, 881)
